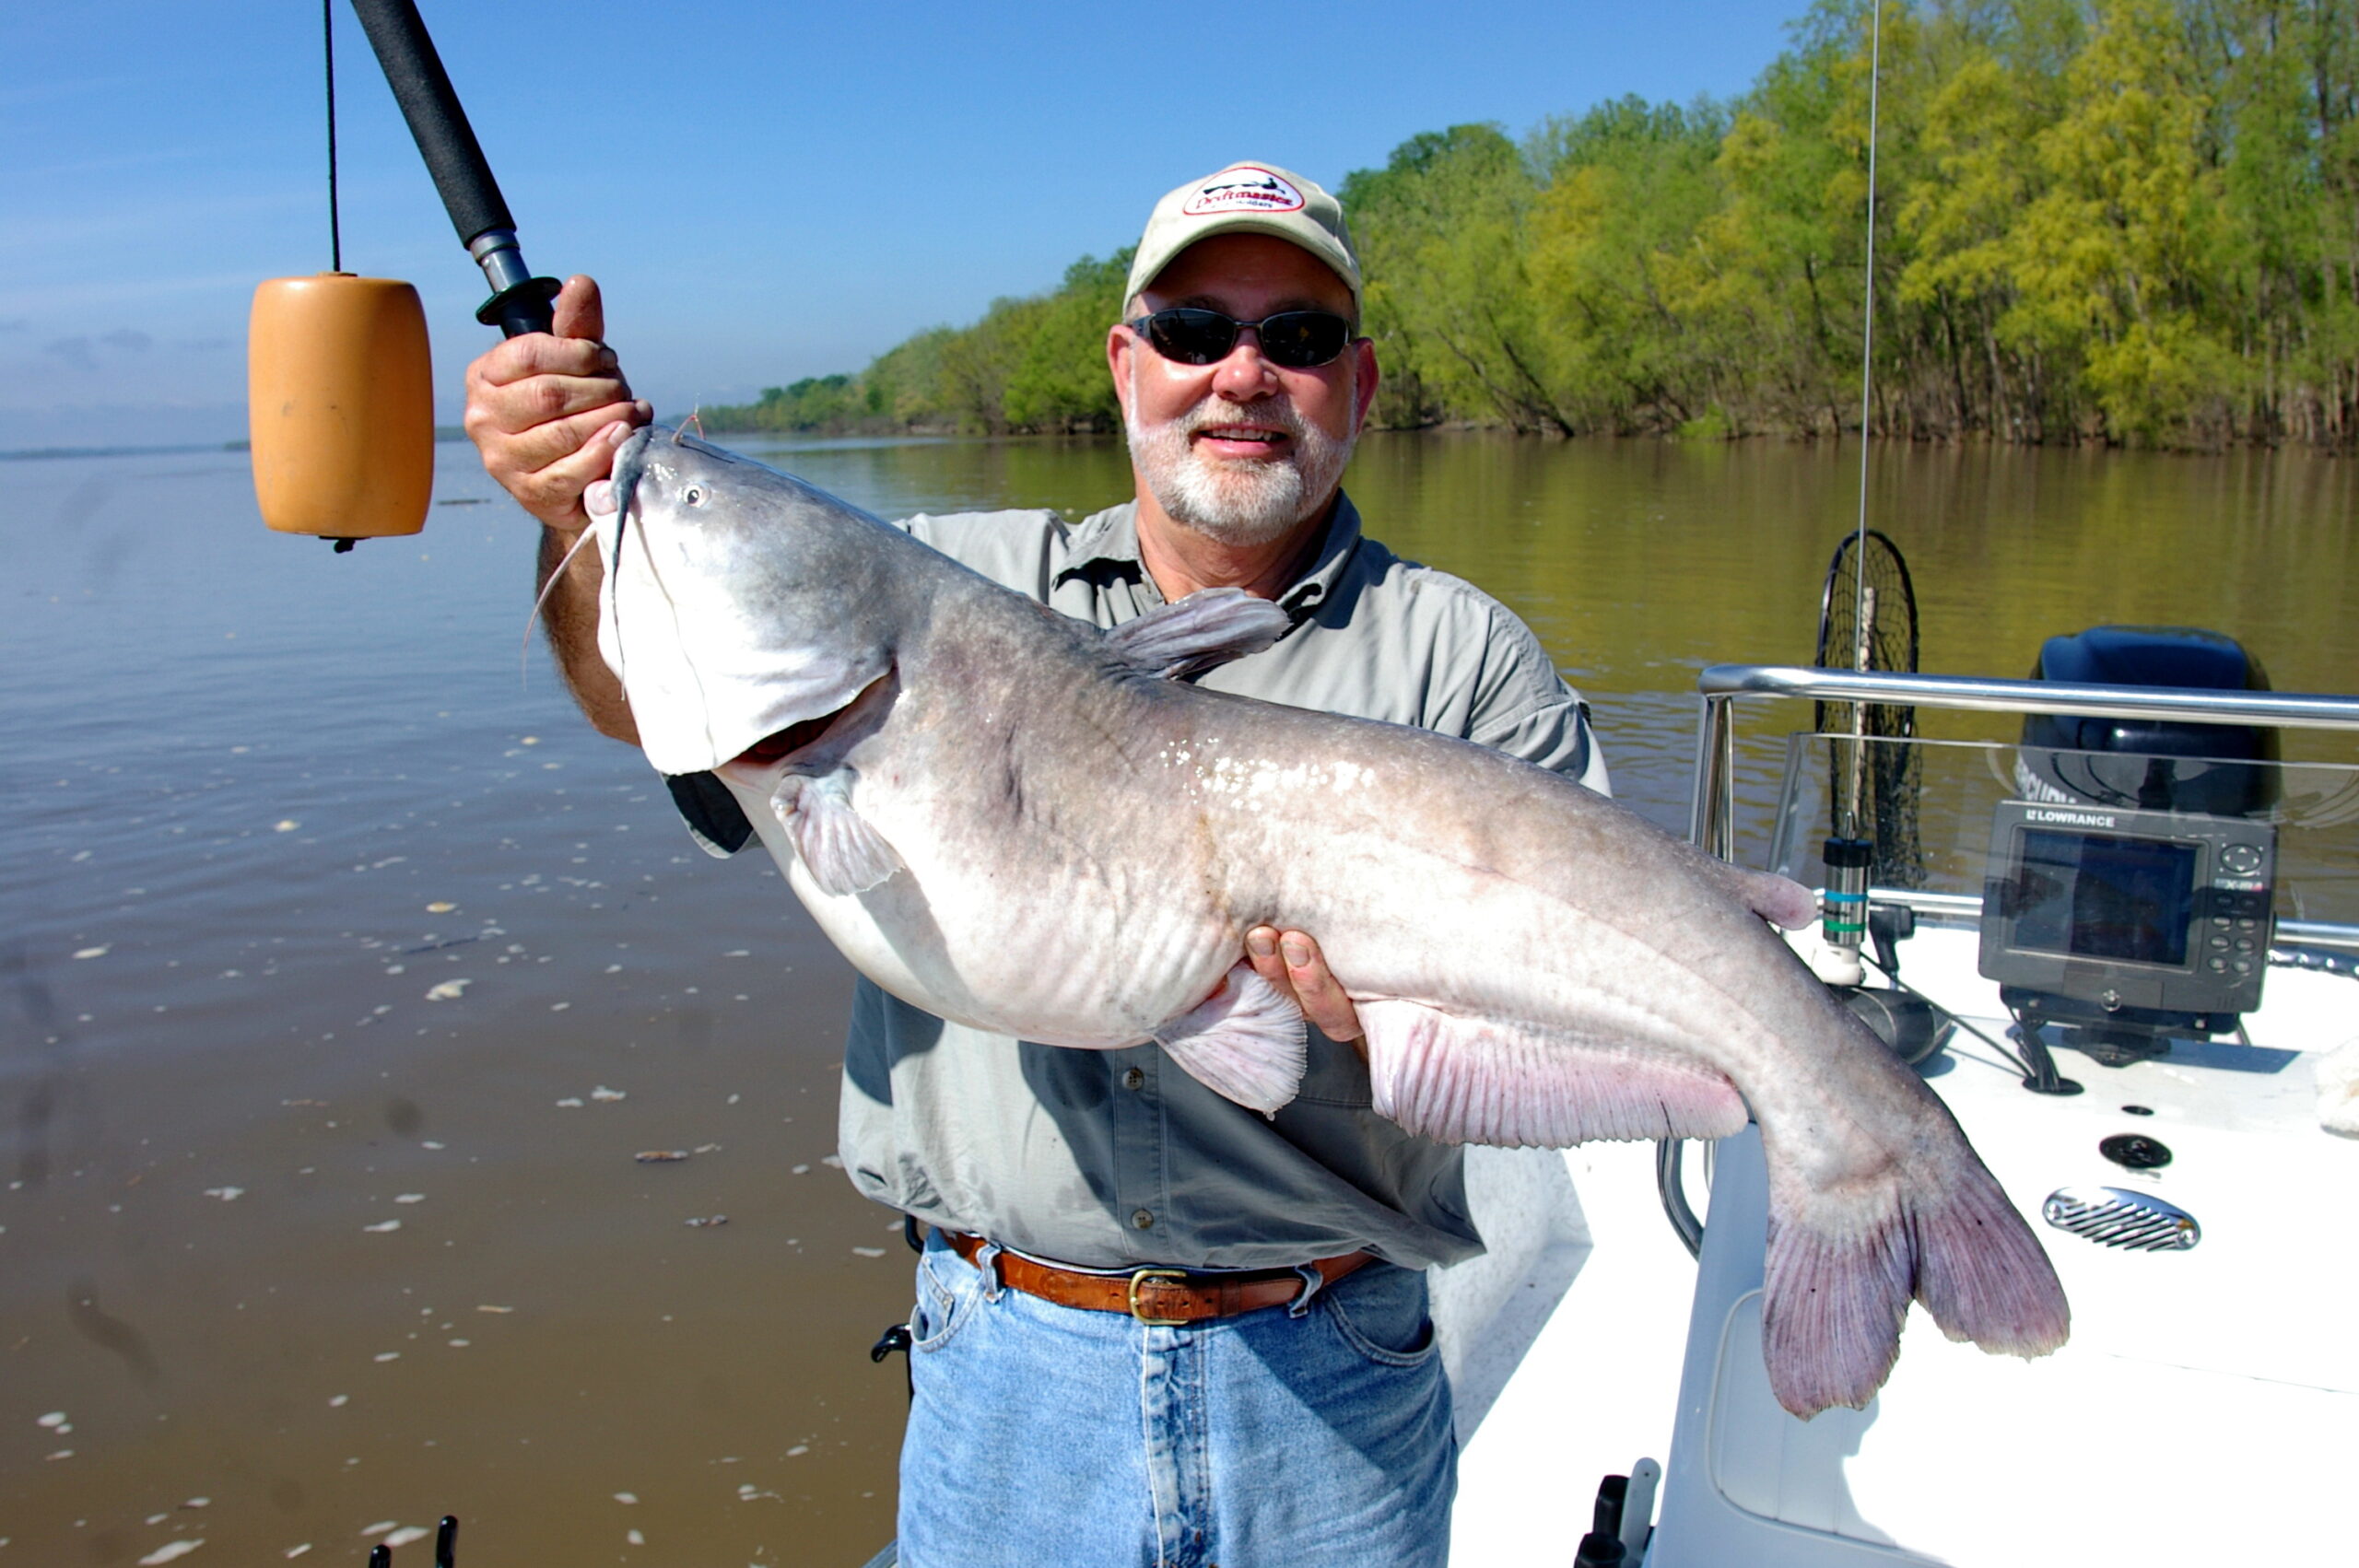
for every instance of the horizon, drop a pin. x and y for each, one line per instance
(787, 231)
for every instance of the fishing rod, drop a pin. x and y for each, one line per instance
(519, 302)
(339, 375)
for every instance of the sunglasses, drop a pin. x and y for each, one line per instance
(1299, 340)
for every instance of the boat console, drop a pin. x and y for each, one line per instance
(2153, 921)
(2129, 894)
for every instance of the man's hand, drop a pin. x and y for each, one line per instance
(547, 410)
(1292, 962)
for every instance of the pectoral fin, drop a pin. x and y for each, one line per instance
(1210, 627)
(1244, 1042)
(840, 850)
(1478, 1080)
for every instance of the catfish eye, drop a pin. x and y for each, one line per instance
(693, 496)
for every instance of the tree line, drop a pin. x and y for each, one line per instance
(2124, 221)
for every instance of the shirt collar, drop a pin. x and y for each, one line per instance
(1110, 538)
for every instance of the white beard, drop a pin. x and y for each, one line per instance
(1238, 502)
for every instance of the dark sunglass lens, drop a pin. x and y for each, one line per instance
(1301, 339)
(1191, 337)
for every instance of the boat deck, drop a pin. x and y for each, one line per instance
(2227, 1373)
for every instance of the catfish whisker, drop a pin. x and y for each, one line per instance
(524, 653)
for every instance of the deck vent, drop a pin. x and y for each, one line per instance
(2111, 1217)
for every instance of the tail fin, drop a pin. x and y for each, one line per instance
(1833, 1295)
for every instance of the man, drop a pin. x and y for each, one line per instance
(1153, 1326)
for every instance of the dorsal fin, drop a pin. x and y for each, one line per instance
(1210, 627)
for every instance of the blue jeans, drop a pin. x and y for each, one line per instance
(1308, 1436)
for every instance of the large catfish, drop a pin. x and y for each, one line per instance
(959, 782)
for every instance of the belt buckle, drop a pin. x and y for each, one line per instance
(1139, 1315)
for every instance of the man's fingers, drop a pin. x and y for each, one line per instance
(579, 451)
(547, 409)
(579, 311)
(527, 451)
(524, 406)
(538, 353)
(594, 459)
(1262, 952)
(1323, 1001)
(1292, 962)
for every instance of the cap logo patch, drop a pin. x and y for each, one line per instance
(1243, 190)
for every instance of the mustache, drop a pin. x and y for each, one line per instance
(1277, 410)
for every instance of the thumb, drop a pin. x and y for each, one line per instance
(579, 312)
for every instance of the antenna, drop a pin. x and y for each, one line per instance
(1850, 856)
(1868, 325)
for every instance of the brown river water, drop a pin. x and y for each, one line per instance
(347, 972)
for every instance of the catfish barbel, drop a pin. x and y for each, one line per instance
(956, 779)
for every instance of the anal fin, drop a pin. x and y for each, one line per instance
(840, 848)
(1244, 1042)
(1479, 1081)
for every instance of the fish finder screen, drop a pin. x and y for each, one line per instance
(2093, 895)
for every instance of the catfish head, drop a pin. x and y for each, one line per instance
(739, 603)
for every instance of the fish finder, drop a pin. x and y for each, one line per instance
(2130, 914)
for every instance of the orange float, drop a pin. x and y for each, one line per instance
(340, 406)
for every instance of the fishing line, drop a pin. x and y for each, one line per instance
(335, 229)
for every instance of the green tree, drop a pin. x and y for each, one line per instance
(2002, 84)
(2108, 260)
(1629, 185)
(1061, 384)
(1441, 231)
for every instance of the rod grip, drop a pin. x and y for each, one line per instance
(444, 138)
(530, 306)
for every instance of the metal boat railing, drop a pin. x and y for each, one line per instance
(1712, 808)
(1966, 909)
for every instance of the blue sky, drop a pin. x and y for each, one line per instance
(766, 191)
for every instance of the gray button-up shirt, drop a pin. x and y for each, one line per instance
(1115, 1159)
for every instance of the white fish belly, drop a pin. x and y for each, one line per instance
(1032, 940)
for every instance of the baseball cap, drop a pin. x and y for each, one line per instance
(1247, 198)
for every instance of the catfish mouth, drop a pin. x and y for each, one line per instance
(865, 710)
(630, 464)
(777, 746)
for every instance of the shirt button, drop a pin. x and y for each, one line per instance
(1134, 1078)
(1142, 1220)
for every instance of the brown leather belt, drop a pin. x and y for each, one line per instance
(1158, 1297)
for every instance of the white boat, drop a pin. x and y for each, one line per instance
(2200, 1214)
